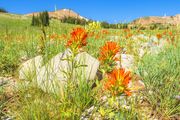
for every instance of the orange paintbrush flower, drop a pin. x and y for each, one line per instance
(108, 51)
(108, 56)
(118, 81)
(170, 33)
(78, 38)
(159, 36)
(129, 35)
(105, 32)
(54, 36)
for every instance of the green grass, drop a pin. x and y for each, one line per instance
(19, 40)
(161, 76)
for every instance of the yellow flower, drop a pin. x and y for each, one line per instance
(93, 26)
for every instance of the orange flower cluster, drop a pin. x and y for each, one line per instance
(118, 81)
(170, 33)
(57, 37)
(108, 52)
(105, 32)
(129, 35)
(78, 38)
(127, 30)
(54, 36)
(159, 36)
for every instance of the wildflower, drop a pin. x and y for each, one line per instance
(126, 30)
(170, 33)
(129, 35)
(94, 26)
(108, 56)
(97, 36)
(105, 32)
(53, 36)
(78, 39)
(159, 36)
(108, 51)
(118, 81)
(63, 36)
(91, 34)
(165, 32)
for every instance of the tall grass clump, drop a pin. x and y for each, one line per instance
(161, 76)
(9, 59)
(75, 96)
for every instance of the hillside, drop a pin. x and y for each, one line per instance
(59, 14)
(173, 20)
(15, 24)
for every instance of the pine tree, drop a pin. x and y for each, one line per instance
(3, 10)
(47, 18)
(41, 20)
(33, 20)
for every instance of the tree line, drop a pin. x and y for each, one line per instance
(42, 19)
(2, 10)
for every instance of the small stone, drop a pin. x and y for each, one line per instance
(136, 85)
(127, 61)
(177, 97)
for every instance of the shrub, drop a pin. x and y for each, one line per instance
(161, 76)
(105, 24)
(114, 26)
(41, 20)
(8, 63)
(73, 20)
(3, 10)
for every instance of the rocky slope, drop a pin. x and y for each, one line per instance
(173, 20)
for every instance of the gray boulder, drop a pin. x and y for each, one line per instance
(53, 75)
(127, 61)
(30, 68)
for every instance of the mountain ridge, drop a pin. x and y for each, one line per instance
(60, 14)
(173, 20)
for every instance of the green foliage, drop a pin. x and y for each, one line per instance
(8, 59)
(41, 20)
(35, 104)
(159, 26)
(160, 73)
(3, 10)
(114, 26)
(161, 76)
(73, 20)
(105, 24)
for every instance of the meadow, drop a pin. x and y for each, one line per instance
(160, 73)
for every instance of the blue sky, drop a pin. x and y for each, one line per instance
(103, 10)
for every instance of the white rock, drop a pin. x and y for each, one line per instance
(140, 36)
(141, 52)
(152, 48)
(92, 65)
(153, 39)
(127, 61)
(114, 38)
(30, 68)
(52, 76)
(136, 85)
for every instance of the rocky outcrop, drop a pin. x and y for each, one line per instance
(30, 68)
(173, 20)
(52, 76)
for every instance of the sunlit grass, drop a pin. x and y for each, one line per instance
(19, 42)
